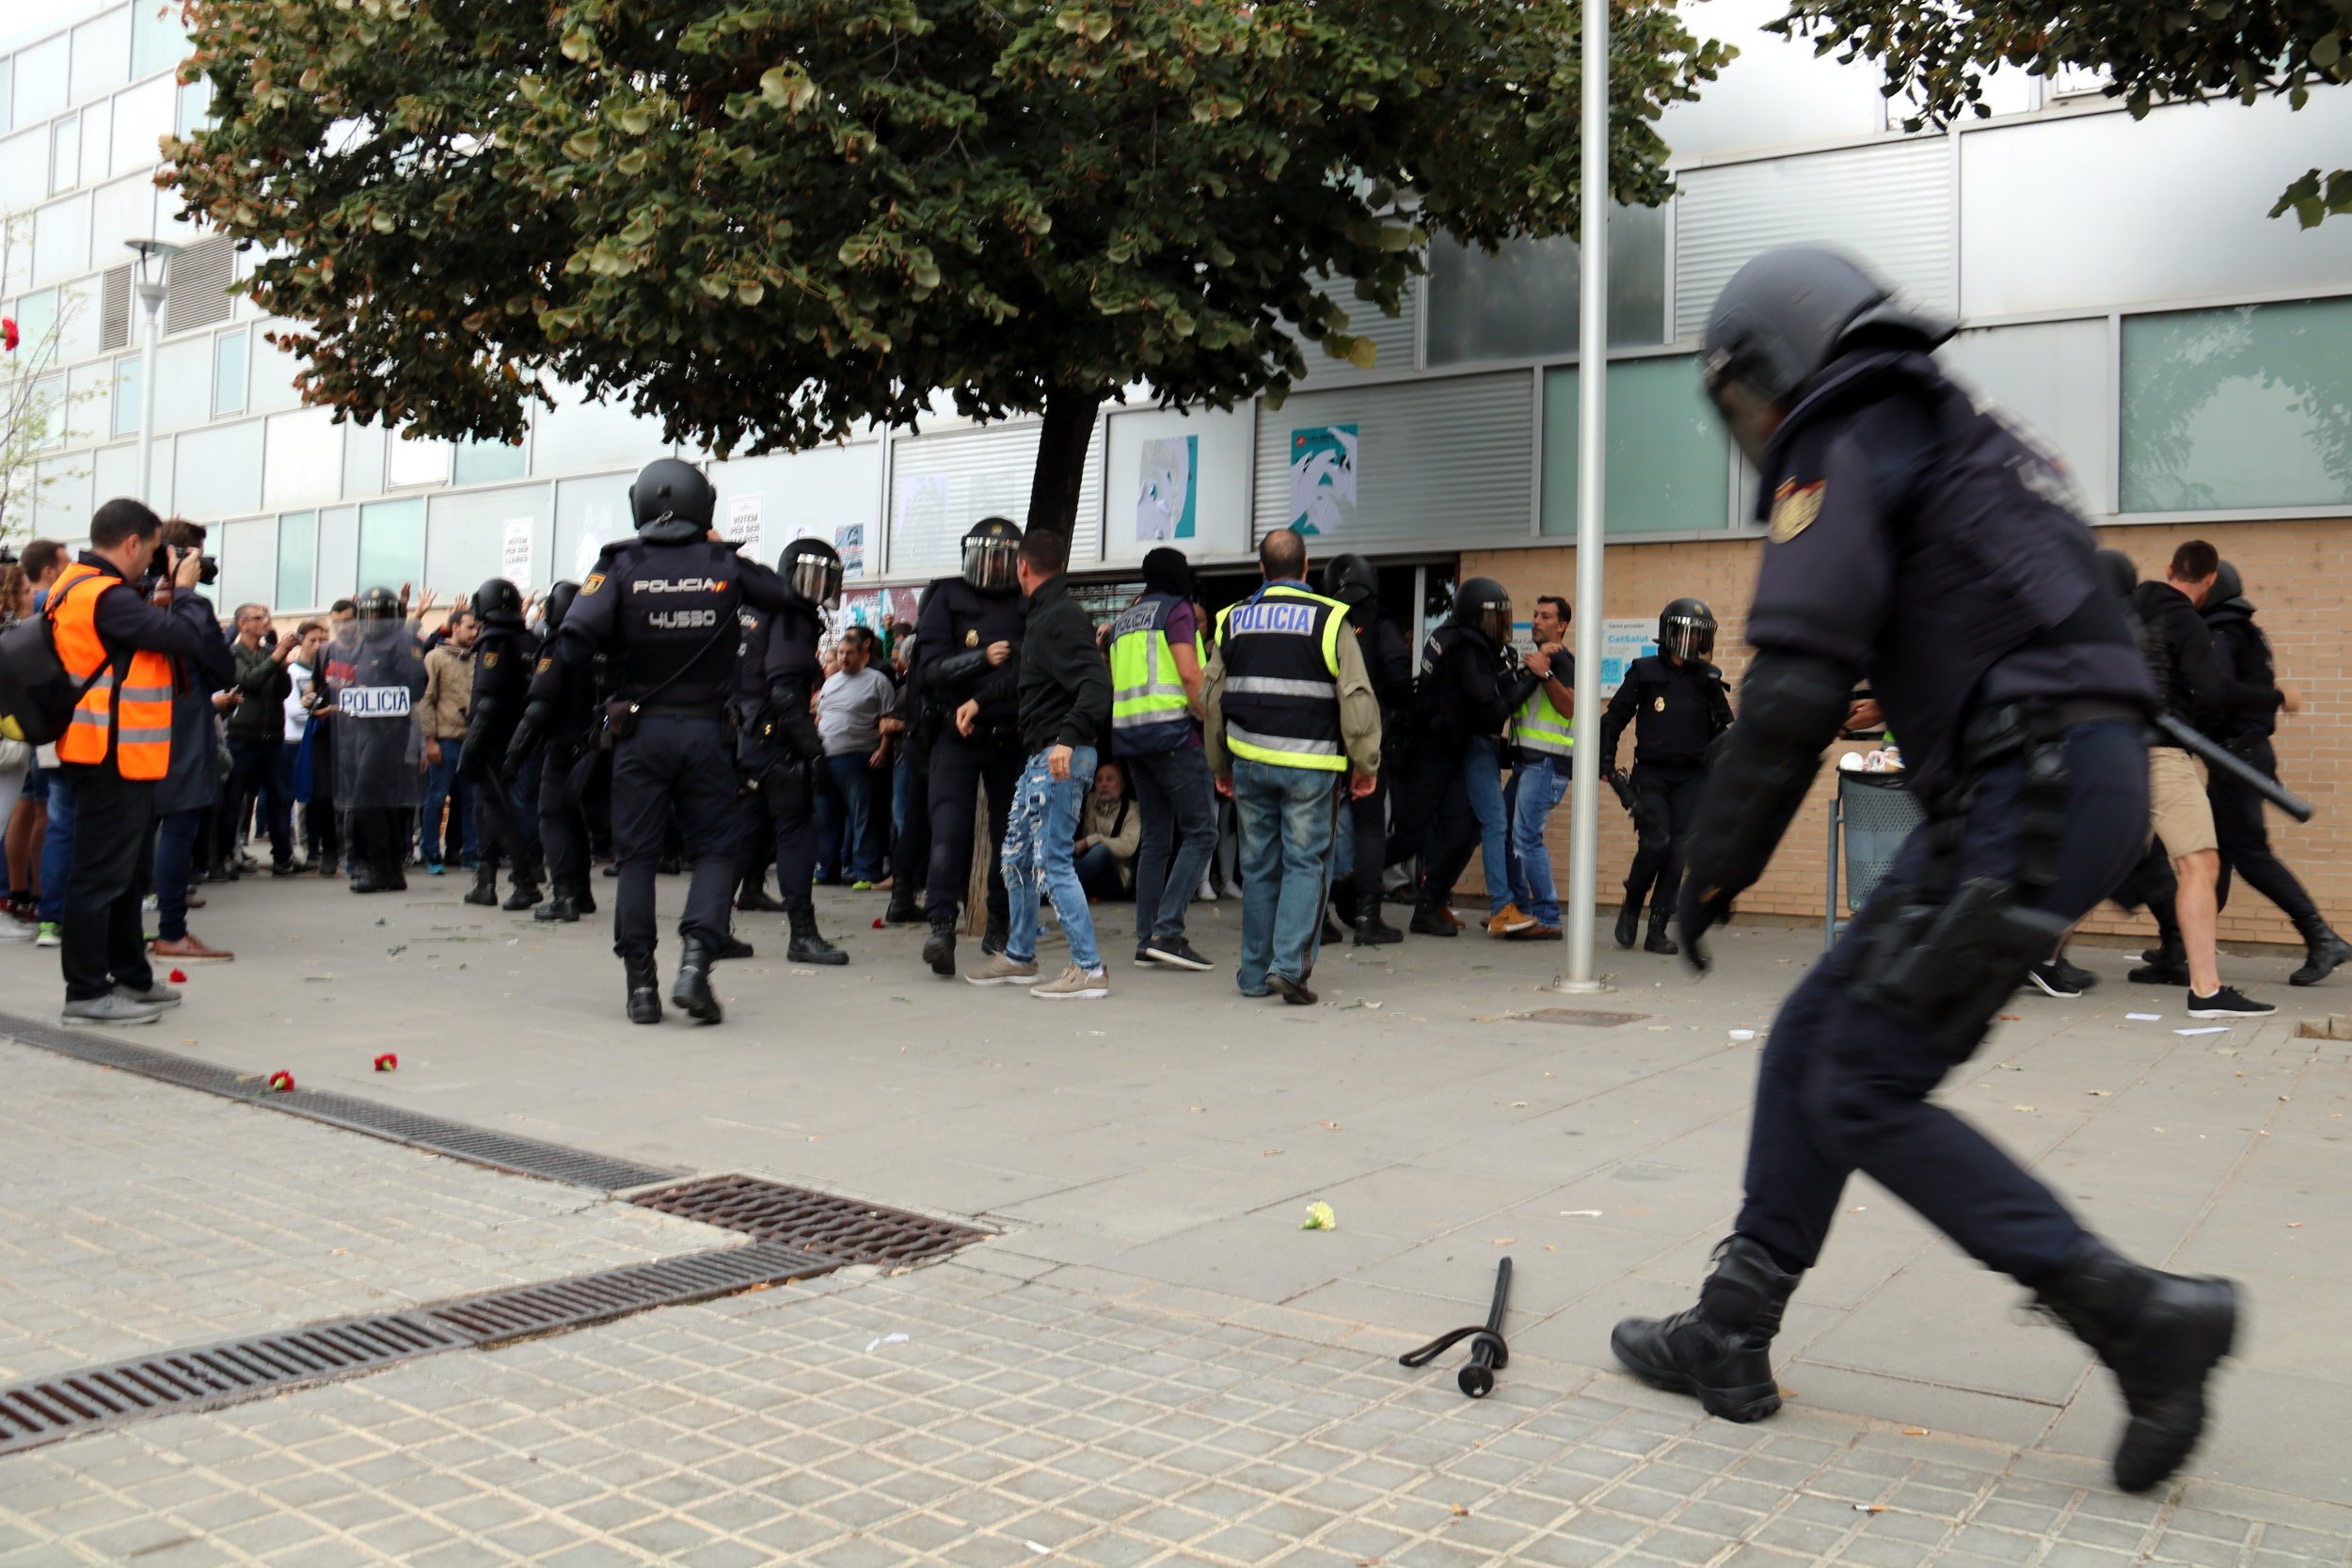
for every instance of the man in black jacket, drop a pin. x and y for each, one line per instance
(2192, 682)
(1675, 701)
(2237, 811)
(1065, 714)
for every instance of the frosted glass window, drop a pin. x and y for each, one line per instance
(1520, 303)
(248, 564)
(302, 461)
(102, 54)
(363, 459)
(465, 541)
(23, 170)
(1669, 463)
(127, 395)
(7, 93)
(142, 120)
(61, 498)
(589, 514)
(61, 240)
(98, 123)
(183, 385)
(229, 368)
(581, 437)
(338, 554)
(158, 42)
(196, 108)
(44, 411)
(297, 560)
(219, 471)
(2051, 376)
(89, 390)
(77, 323)
(274, 370)
(41, 81)
(116, 470)
(120, 213)
(408, 462)
(488, 462)
(2236, 409)
(65, 155)
(391, 542)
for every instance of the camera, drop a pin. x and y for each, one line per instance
(159, 566)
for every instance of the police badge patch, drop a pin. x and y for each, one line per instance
(972, 638)
(490, 659)
(1794, 507)
(596, 580)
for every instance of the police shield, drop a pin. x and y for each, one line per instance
(374, 683)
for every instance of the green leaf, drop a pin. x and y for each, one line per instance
(580, 44)
(787, 88)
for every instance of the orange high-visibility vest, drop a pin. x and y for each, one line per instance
(127, 713)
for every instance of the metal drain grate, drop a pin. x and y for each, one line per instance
(483, 1146)
(1580, 1018)
(48, 1409)
(840, 1229)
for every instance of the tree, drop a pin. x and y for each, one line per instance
(33, 401)
(2150, 51)
(770, 222)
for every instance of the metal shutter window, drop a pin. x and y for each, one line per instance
(1447, 462)
(940, 485)
(196, 286)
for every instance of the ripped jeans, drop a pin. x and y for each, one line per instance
(1040, 833)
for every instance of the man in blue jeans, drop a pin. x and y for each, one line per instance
(1065, 711)
(1288, 709)
(1156, 685)
(1544, 735)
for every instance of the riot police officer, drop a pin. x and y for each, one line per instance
(910, 852)
(779, 750)
(661, 606)
(569, 754)
(503, 659)
(372, 686)
(1920, 541)
(969, 644)
(1389, 661)
(1675, 701)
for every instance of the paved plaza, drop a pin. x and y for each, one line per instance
(1149, 1361)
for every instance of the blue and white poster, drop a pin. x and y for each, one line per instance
(1165, 505)
(1324, 471)
(1621, 643)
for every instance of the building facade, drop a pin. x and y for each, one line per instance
(2120, 285)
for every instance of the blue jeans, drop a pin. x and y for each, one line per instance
(1482, 775)
(444, 789)
(56, 850)
(1038, 835)
(1286, 822)
(1179, 805)
(1539, 784)
(848, 829)
(175, 859)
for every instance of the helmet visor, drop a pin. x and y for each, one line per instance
(1747, 413)
(1494, 620)
(988, 563)
(1687, 636)
(818, 581)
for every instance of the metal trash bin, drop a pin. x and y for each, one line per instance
(1870, 817)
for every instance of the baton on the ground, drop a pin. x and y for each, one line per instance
(1489, 1354)
(2237, 768)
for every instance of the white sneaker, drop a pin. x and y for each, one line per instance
(1075, 984)
(13, 929)
(1208, 890)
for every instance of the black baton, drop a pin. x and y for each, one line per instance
(1489, 1354)
(2236, 768)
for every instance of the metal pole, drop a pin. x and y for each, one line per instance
(151, 297)
(1592, 429)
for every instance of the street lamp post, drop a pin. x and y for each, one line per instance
(150, 292)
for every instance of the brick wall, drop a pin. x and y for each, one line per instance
(2297, 574)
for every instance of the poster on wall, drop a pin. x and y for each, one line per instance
(1621, 643)
(1324, 470)
(514, 550)
(849, 541)
(1164, 507)
(743, 524)
(922, 510)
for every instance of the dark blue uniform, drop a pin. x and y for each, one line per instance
(957, 625)
(503, 660)
(1677, 711)
(663, 607)
(569, 687)
(778, 744)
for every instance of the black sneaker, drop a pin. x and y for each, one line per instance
(1176, 955)
(1143, 958)
(2074, 975)
(2226, 1003)
(2051, 981)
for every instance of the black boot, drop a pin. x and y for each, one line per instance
(526, 890)
(2170, 968)
(644, 989)
(755, 898)
(581, 894)
(1371, 930)
(1658, 942)
(1344, 903)
(691, 991)
(1629, 921)
(485, 891)
(735, 947)
(2160, 1334)
(395, 879)
(808, 945)
(2324, 952)
(561, 906)
(905, 909)
(363, 880)
(1720, 1349)
(1332, 935)
(1427, 922)
(993, 939)
(939, 948)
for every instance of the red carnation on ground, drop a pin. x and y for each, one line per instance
(281, 1081)
(179, 976)
(387, 1063)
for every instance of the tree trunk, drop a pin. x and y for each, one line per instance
(1061, 458)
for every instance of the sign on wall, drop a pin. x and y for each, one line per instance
(514, 550)
(744, 524)
(1165, 505)
(1324, 466)
(1621, 643)
(849, 541)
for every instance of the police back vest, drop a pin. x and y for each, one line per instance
(126, 710)
(1149, 712)
(1281, 696)
(677, 623)
(1541, 728)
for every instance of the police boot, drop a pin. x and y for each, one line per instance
(1332, 935)
(905, 909)
(2160, 1334)
(1344, 903)
(691, 991)
(1429, 922)
(581, 896)
(735, 947)
(1629, 920)
(2324, 952)
(1373, 931)
(2169, 966)
(485, 891)
(1720, 1349)
(1658, 942)
(560, 906)
(363, 879)
(644, 988)
(939, 948)
(998, 931)
(755, 898)
(526, 890)
(808, 947)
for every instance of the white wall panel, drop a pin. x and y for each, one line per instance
(142, 120)
(940, 485)
(303, 464)
(589, 513)
(466, 537)
(219, 473)
(1889, 205)
(810, 494)
(1446, 464)
(1222, 455)
(248, 564)
(184, 393)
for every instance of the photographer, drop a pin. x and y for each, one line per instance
(118, 645)
(189, 792)
(260, 768)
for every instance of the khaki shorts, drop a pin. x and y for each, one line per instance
(2180, 813)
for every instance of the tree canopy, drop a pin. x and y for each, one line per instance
(2150, 51)
(769, 222)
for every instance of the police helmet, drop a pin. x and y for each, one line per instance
(499, 603)
(2121, 572)
(990, 551)
(667, 488)
(1482, 605)
(1778, 324)
(2227, 585)
(1686, 629)
(813, 567)
(559, 604)
(1352, 580)
(376, 604)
